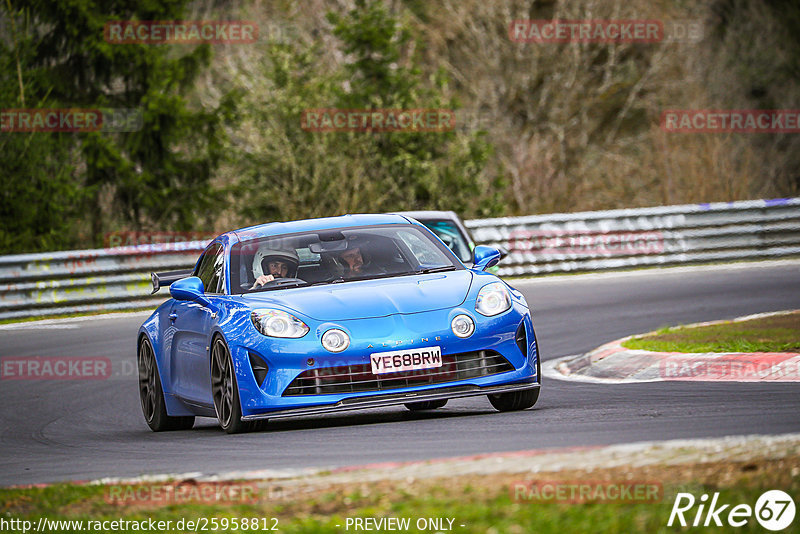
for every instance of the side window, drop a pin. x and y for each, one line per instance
(211, 268)
(452, 237)
(424, 250)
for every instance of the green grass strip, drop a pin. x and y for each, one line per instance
(777, 333)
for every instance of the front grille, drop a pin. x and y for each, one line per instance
(359, 378)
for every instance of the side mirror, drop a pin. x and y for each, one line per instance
(190, 289)
(503, 252)
(485, 257)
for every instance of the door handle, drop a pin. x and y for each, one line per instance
(173, 316)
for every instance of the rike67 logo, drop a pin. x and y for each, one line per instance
(774, 510)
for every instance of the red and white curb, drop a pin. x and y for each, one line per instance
(613, 363)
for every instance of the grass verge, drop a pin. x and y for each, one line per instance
(776, 333)
(489, 503)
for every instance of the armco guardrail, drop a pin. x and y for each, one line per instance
(667, 235)
(118, 278)
(88, 280)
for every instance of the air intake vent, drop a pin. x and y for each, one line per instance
(359, 378)
(522, 338)
(259, 367)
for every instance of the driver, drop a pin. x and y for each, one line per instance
(272, 263)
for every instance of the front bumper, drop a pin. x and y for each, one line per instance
(287, 359)
(392, 399)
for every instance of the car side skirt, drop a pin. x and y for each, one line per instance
(379, 401)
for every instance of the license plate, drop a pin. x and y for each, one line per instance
(405, 360)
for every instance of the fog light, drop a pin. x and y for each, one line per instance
(463, 325)
(335, 340)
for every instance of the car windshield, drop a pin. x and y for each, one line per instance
(448, 232)
(336, 256)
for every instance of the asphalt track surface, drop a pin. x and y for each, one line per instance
(78, 430)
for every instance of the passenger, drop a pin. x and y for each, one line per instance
(357, 262)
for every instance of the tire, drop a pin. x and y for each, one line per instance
(425, 405)
(151, 394)
(225, 391)
(538, 361)
(514, 400)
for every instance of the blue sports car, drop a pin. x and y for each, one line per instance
(333, 314)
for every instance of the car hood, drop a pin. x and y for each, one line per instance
(370, 298)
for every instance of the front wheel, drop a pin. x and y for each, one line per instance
(225, 391)
(514, 400)
(151, 394)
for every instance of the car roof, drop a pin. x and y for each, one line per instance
(311, 225)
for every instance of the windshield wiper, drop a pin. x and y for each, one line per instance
(341, 279)
(337, 280)
(441, 269)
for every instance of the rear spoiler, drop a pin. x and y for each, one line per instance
(166, 278)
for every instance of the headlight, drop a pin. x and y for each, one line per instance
(278, 323)
(493, 299)
(335, 340)
(462, 325)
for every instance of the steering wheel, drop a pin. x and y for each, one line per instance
(278, 282)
